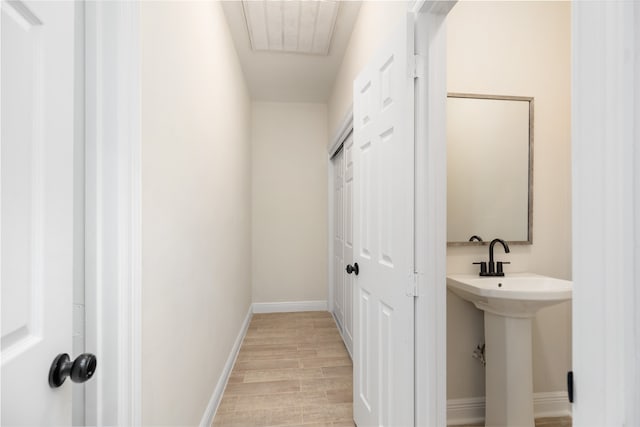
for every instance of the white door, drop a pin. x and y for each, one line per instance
(347, 247)
(343, 240)
(383, 235)
(37, 176)
(338, 239)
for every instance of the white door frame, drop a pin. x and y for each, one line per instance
(113, 224)
(430, 216)
(606, 212)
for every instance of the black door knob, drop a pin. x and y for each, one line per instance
(353, 268)
(80, 370)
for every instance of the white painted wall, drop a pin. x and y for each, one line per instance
(518, 48)
(289, 202)
(196, 202)
(375, 22)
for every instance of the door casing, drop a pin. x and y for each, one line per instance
(112, 212)
(431, 214)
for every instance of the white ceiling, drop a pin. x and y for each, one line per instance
(290, 77)
(291, 26)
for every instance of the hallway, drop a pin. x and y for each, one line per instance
(292, 369)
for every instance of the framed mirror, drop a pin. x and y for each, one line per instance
(489, 169)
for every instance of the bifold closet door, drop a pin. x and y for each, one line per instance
(343, 241)
(347, 202)
(338, 238)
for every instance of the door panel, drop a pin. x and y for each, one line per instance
(36, 228)
(364, 201)
(384, 207)
(385, 347)
(22, 211)
(363, 366)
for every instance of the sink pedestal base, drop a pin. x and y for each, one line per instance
(509, 371)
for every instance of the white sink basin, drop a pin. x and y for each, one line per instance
(509, 305)
(515, 295)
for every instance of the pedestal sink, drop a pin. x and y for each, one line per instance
(509, 304)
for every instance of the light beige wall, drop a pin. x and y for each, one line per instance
(375, 22)
(196, 177)
(518, 48)
(289, 164)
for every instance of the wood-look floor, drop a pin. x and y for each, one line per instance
(293, 370)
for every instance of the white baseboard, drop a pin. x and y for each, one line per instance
(465, 411)
(471, 410)
(216, 397)
(288, 307)
(551, 404)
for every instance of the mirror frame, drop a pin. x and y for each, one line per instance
(530, 100)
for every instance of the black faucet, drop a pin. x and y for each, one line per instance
(493, 271)
(476, 238)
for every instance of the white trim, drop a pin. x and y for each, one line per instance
(0, 210)
(343, 131)
(129, 215)
(218, 391)
(78, 404)
(289, 306)
(468, 410)
(471, 410)
(606, 204)
(551, 404)
(430, 214)
(113, 224)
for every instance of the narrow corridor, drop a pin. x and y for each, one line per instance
(292, 369)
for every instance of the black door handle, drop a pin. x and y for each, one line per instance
(353, 269)
(80, 370)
